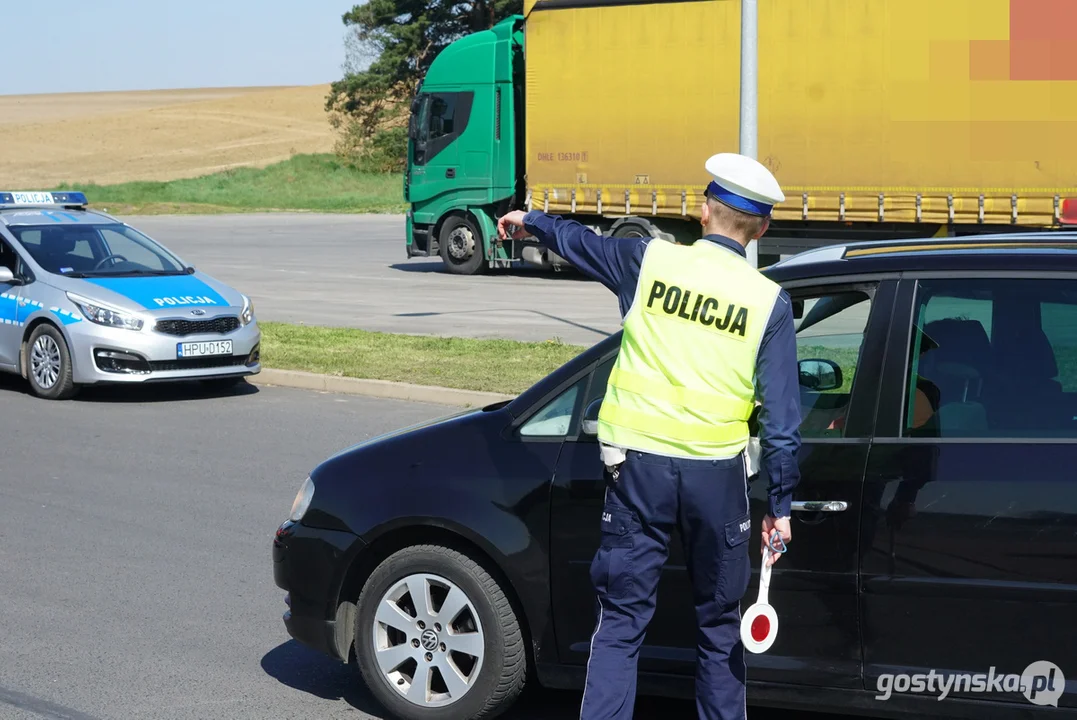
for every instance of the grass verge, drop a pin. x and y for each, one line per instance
(502, 366)
(318, 183)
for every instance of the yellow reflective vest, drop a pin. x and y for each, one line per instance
(684, 381)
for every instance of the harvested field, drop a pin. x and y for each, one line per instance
(117, 137)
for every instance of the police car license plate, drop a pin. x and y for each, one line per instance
(202, 349)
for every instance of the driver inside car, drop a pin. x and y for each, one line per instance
(925, 403)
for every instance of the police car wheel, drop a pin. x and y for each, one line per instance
(47, 363)
(460, 246)
(435, 637)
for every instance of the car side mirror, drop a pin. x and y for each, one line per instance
(590, 418)
(819, 375)
(7, 277)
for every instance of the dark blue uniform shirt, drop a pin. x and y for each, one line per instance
(615, 262)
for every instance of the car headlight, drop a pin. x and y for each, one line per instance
(302, 500)
(104, 315)
(247, 316)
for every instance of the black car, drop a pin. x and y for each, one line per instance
(934, 532)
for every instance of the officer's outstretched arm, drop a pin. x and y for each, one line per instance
(779, 414)
(607, 260)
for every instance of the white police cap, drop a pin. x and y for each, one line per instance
(743, 184)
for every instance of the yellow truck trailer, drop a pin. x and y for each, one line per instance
(880, 118)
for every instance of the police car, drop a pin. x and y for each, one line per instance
(86, 298)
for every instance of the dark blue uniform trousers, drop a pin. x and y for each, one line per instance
(646, 498)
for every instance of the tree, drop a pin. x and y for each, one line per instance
(396, 40)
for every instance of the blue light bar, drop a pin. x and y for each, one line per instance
(24, 198)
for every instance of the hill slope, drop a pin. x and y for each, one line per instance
(158, 135)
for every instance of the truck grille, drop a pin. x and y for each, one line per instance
(181, 328)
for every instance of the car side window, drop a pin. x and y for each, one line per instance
(993, 357)
(555, 417)
(830, 331)
(8, 258)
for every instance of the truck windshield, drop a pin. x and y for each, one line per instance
(96, 251)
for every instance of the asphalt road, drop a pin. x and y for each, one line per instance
(135, 536)
(351, 271)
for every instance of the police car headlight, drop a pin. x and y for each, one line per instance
(104, 315)
(247, 316)
(302, 500)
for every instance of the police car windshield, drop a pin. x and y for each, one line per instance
(96, 251)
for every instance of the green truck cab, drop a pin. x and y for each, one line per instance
(465, 140)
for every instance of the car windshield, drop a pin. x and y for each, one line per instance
(96, 251)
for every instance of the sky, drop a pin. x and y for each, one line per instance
(92, 45)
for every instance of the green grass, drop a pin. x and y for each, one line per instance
(318, 183)
(503, 366)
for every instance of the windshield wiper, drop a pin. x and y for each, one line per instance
(128, 273)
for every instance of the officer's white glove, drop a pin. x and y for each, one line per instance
(752, 454)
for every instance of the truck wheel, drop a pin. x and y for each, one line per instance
(48, 364)
(436, 638)
(460, 246)
(635, 229)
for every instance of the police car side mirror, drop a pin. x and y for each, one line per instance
(590, 418)
(6, 276)
(819, 375)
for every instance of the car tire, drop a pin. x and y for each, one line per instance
(460, 246)
(47, 364)
(388, 654)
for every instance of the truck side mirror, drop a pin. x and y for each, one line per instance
(6, 276)
(590, 418)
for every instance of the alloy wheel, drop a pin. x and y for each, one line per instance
(428, 640)
(45, 362)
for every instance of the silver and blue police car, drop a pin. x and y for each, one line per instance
(85, 299)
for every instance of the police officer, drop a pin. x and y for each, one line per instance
(705, 336)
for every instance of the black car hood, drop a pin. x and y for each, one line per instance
(446, 446)
(392, 434)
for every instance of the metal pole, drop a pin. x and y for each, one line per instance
(749, 92)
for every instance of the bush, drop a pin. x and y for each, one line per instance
(385, 151)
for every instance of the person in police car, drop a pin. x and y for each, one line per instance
(706, 335)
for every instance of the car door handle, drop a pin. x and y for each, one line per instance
(819, 506)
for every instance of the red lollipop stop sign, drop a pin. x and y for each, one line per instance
(759, 624)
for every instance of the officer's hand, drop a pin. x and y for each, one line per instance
(771, 524)
(511, 225)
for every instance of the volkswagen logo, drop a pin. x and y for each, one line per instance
(429, 639)
(198, 311)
